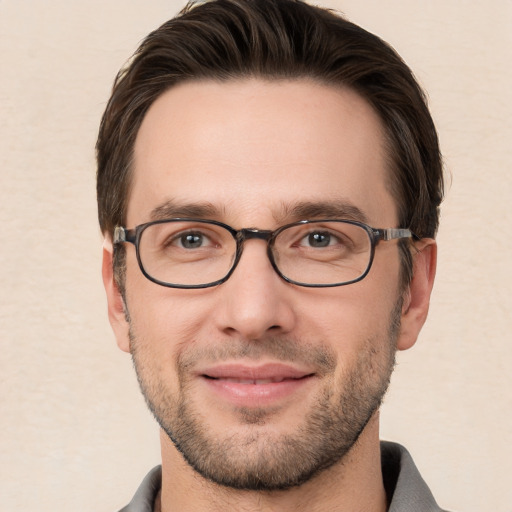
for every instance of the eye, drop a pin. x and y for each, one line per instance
(191, 240)
(320, 239)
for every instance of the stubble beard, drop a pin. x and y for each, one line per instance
(259, 458)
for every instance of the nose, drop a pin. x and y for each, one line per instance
(255, 302)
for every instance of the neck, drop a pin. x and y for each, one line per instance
(354, 484)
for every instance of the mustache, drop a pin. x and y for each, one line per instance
(284, 349)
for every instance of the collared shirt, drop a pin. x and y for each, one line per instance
(405, 488)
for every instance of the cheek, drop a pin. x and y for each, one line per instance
(160, 329)
(163, 319)
(350, 309)
(348, 318)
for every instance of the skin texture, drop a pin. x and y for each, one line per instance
(260, 154)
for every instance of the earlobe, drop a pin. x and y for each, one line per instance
(416, 297)
(115, 302)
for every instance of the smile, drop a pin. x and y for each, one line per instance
(248, 386)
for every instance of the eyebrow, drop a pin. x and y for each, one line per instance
(303, 210)
(308, 210)
(171, 209)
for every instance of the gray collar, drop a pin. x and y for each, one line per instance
(406, 489)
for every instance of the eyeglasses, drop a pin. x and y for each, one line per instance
(197, 253)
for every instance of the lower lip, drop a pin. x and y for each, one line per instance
(256, 395)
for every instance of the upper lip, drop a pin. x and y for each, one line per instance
(274, 372)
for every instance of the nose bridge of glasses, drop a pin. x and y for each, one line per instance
(245, 234)
(259, 234)
(248, 233)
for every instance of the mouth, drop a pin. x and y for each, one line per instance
(262, 374)
(254, 381)
(255, 385)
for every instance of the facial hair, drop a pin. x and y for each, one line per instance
(256, 457)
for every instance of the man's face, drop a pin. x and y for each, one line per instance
(260, 383)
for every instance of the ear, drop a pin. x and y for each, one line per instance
(115, 302)
(416, 298)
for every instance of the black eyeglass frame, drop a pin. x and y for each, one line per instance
(376, 235)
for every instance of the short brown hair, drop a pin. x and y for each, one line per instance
(275, 39)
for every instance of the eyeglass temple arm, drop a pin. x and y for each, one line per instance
(119, 235)
(122, 235)
(386, 234)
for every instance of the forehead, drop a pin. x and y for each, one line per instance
(250, 148)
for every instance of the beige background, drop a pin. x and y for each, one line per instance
(75, 434)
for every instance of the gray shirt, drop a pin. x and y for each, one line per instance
(406, 490)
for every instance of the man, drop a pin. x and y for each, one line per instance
(269, 180)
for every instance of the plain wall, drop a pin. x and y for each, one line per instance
(75, 432)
